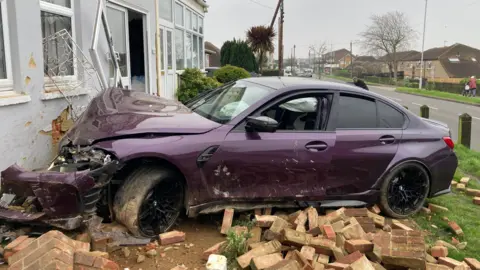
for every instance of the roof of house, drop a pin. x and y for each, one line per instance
(337, 55)
(462, 69)
(365, 58)
(399, 55)
(211, 49)
(454, 50)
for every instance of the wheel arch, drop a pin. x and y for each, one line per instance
(382, 178)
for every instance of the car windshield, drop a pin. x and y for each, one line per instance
(223, 104)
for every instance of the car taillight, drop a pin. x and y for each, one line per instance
(449, 142)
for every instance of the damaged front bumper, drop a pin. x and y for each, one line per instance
(64, 195)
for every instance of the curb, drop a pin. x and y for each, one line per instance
(440, 98)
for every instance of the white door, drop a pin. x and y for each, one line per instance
(168, 65)
(118, 23)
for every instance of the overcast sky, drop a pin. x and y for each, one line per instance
(338, 22)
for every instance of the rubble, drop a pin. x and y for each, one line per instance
(227, 220)
(437, 208)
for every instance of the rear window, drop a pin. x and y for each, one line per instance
(389, 117)
(356, 112)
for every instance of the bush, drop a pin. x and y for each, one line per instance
(192, 83)
(238, 53)
(270, 72)
(230, 73)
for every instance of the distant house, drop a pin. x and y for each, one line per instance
(212, 55)
(401, 58)
(451, 63)
(337, 59)
(365, 59)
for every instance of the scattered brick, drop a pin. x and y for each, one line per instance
(227, 220)
(312, 218)
(454, 226)
(265, 249)
(353, 231)
(96, 260)
(267, 211)
(301, 219)
(361, 264)
(315, 231)
(322, 220)
(268, 235)
(461, 187)
(476, 200)
(367, 224)
(430, 259)
(426, 211)
(180, 267)
(254, 245)
(375, 209)
(285, 265)
(278, 225)
(452, 263)
(356, 212)
(322, 246)
(338, 226)
(337, 215)
(100, 242)
(295, 238)
(265, 261)
(473, 263)
(215, 249)
(83, 237)
(328, 232)
(437, 208)
(257, 212)
(465, 180)
(338, 253)
(301, 228)
(455, 241)
(473, 192)
(301, 260)
(401, 248)
(323, 259)
(398, 225)
(16, 245)
(337, 266)
(358, 245)
(308, 252)
(350, 258)
(453, 183)
(432, 266)
(439, 251)
(265, 221)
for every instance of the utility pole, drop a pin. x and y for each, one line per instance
(420, 85)
(280, 39)
(351, 58)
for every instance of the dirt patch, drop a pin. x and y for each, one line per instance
(202, 232)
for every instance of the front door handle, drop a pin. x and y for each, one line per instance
(316, 146)
(387, 139)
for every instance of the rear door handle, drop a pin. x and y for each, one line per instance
(387, 139)
(316, 146)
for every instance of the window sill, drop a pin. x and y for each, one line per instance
(14, 99)
(55, 94)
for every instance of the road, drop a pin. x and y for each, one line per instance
(443, 111)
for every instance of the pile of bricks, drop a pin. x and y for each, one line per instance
(354, 239)
(462, 186)
(54, 250)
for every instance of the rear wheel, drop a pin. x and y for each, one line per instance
(404, 190)
(150, 200)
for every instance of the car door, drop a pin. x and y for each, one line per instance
(368, 134)
(291, 162)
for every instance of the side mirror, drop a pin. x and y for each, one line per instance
(261, 124)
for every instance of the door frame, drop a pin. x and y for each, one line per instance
(146, 38)
(165, 72)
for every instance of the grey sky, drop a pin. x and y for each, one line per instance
(310, 22)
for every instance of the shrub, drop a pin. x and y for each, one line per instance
(230, 73)
(238, 53)
(192, 83)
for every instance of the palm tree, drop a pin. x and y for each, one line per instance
(260, 40)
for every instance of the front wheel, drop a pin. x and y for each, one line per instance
(150, 200)
(404, 190)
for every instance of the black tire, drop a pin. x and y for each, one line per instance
(407, 185)
(150, 201)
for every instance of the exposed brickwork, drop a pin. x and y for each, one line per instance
(402, 248)
(94, 260)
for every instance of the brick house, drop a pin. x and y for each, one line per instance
(337, 59)
(35, 91)
(212, 55)
(401, 58)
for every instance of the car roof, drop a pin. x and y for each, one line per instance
(300, 82)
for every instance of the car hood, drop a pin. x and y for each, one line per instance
(118, 112)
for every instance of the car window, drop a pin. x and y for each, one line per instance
(356, 112)
(389, 117)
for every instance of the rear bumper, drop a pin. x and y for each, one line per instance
(59, 198)
(442, 174)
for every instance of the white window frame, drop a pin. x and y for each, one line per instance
(67, 12)
(186, 29)
(6, 84)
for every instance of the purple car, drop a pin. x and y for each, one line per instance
(260, 142)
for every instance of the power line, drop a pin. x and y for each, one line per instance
(262, 5)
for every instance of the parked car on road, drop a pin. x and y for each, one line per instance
(257, 142)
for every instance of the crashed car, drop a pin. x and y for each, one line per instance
(259, 142)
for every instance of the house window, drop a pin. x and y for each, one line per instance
(57, 16)
(6, 82)
(454, 59)
(166, 9)
(474, 59)
(188, 38)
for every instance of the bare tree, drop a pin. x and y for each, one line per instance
(389, 34)
(317, 52)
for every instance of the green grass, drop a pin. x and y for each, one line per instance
(461, 209)
(439, 94)
(340, 78)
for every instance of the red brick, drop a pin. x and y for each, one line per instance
(301, 228)
(258, 212)
(398, 225)
(476, 200)
(426, 210)
(473, 263)
(465, 180)
(301, 260)
(256, 235)
(323, 259)
(295, 238)
(328, 232)
(293, 216)
(437, 208)
(473, 192)
(375, 209)
(337, 266)
(99, 243)
(378, 220)
(353, 231)
(361, 245)
(227, 220)
(338, 226)
(16, 242)
(337, 215)
(322, 246)
(17, 248)
(454, 226)
(367, 224)
(278, 225)
(285, 265)
(432, 266)
(265, 261)
(315, 231)
(56, 265)
(356, 212)
(265, 221)
(254, 245)
(102, 263)
(265, 249)
(312, 218)
(83, 237)
(350, 258)
(308, 252)
(439, 251)
(361, 264)
(172, 237)
(301, 218)
(452, 263)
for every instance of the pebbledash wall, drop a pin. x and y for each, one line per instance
(27, 103)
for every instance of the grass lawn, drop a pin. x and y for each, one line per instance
(439, 94)
(461, 209)
(340, 78)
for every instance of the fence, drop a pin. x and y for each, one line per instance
(464, 125)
